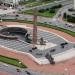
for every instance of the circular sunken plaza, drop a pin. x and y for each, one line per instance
(13, 43)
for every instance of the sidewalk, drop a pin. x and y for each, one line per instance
(4, 73)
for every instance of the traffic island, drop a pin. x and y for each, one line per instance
(12, 61)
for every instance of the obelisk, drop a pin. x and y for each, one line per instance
(34, 40)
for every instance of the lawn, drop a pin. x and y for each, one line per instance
(43, 14)
(12, 61)
(48, 12)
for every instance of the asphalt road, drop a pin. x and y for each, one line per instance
(53, 21)
(63, 2)
(13, 70)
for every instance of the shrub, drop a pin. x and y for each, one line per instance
(57, 6)
(52, 10)
(71, 10)
(42, 11)
(47, 9)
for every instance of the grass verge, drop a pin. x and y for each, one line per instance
(12, 61)
(43, 14)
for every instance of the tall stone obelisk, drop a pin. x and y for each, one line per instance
(34, 40)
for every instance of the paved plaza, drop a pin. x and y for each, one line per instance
(44, 68)
(39, 54)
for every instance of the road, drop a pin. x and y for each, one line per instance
(13, 70)
(63, 2)
(53, 21)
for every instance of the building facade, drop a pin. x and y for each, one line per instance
(11, 2)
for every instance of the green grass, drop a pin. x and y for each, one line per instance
(49, 12)
(47, 25)
(12, 61)
(44, 14)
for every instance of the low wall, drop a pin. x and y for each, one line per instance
(8, 37)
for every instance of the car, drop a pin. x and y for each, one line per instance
(18, 70)
(4, 8)
(66, 24)
(53, 50)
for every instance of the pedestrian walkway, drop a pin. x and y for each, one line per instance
(57, 68)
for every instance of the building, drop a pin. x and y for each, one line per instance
(10, 2)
